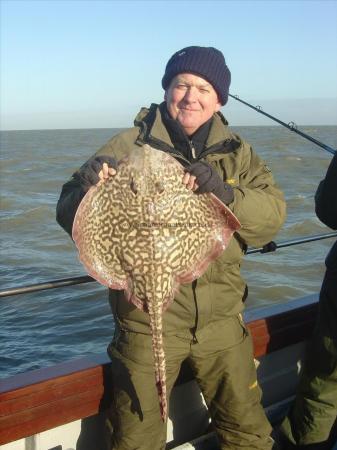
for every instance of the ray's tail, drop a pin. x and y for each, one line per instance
(156, 324)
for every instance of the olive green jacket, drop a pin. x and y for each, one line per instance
(258, 204)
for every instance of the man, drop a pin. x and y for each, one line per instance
(310, 421)
(204, 324)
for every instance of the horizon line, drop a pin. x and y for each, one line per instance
(127, 127)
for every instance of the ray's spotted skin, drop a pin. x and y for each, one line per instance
(143, 231)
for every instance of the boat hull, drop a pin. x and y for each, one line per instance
(63, 407)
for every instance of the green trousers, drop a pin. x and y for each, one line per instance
(314, 412)
(223, 365)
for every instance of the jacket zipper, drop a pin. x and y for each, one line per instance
(194, 286)
(192, 149)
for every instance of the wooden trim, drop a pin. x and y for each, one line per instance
(46, 398)
(284, 329)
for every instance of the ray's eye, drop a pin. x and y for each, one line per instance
(159, 186)
(133, 187)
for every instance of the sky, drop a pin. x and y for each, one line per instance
(94, 64)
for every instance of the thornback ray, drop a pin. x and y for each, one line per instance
(144, 232)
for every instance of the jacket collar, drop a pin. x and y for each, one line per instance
(154, 132)
(189, 146)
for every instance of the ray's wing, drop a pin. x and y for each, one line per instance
(209, 228)
(97, 232)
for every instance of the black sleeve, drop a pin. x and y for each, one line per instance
(70, 198)
(326, 196)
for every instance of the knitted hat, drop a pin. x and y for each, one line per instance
(207, 62)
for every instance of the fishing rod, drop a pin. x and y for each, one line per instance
(291, 125)
(270, 247)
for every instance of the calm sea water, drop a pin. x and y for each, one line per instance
(44, 328)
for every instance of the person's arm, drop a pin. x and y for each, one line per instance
(326, 197)
(258, 202)
(96, 170)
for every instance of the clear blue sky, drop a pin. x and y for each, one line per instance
(93, 64)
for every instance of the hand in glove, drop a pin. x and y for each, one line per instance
(201, 178)
(95, 170)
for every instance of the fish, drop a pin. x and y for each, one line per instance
(144, 232)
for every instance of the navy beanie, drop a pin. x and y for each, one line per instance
(207, 62)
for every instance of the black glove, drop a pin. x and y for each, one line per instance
(209, 181)
(87, 175)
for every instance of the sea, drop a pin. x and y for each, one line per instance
(42, 329)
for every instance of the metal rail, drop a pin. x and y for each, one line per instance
(270, 247)
(291, 125)
(46, 285)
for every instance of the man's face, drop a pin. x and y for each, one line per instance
(191, 100)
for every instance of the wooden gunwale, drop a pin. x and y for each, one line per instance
(46, 398)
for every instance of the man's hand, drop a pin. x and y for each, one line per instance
(95, 171)
(201, 178)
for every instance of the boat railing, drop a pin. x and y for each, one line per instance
(71, 281)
